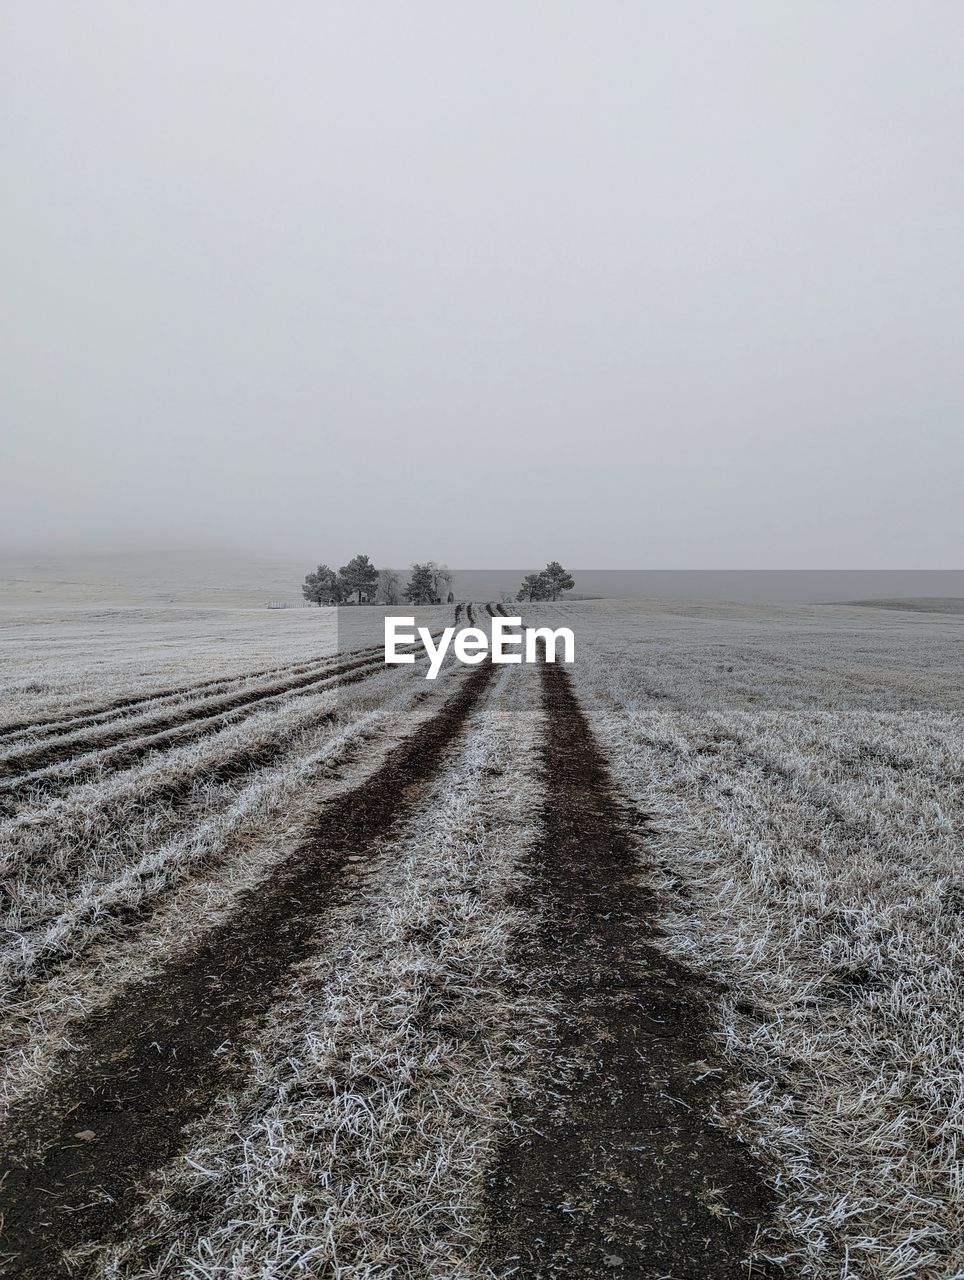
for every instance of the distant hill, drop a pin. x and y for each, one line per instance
(917, 604)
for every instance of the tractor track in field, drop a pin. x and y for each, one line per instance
(58, 726)
(36, 788)
(132, 743)
(149, 1063)
(53, 726)
(42, 757)
(620, 1171)
(176, 793)
(86, 717)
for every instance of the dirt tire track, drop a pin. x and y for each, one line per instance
(504, 613)
(149, 1064)
(623, 1173)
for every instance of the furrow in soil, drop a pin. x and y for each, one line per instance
(154, 1060)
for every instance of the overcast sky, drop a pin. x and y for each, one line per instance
(630, 284)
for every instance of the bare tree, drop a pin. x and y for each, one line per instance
(442, 579)
(389, 590)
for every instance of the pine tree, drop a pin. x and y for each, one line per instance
(360, 575)
(421, 588)
(558, 579)
(322, 586)
(535, 586)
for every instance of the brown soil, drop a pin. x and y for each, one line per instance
(617, 1169)
(149, 1064)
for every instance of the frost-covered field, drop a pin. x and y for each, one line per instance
(109, 851)
(62, 660)
(287, 964)
(180, 768)
(805, 773)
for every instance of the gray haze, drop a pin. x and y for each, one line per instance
(630, 284)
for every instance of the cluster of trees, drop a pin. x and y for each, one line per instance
(325, 586)
(430, 583)
(547, 585)
(359, 579)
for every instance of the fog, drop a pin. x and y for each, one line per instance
(628, 285)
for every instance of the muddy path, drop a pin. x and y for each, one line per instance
(617, 1171)
(153, 1061)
